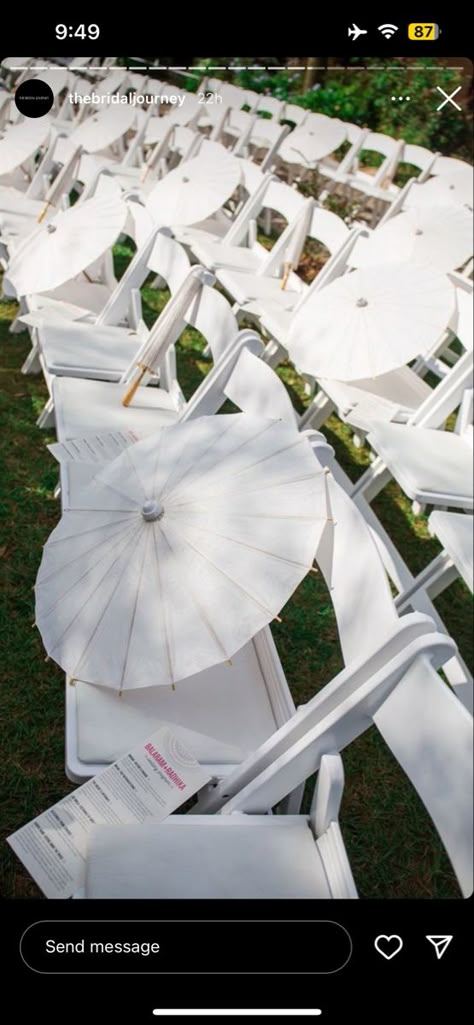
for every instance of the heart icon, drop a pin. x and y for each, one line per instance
(388, 946)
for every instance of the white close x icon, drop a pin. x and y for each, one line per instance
(449, 99)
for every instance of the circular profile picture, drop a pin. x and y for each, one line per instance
(34, 98)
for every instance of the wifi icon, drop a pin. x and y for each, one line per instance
(388, 30)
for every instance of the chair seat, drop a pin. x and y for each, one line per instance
(428, 464)
(455, 532)
(86, 350)
(228, 705)
(392, 396)
(84, 407)
(210, 230)
(246, 287)
(232, 856)
(276, 320)
(216, 255)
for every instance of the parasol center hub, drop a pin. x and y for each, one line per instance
(419, 231)
(362, 302)
(152, 510)
(185, 180)
(51, 228)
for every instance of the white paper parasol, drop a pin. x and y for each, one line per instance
(441, 236)
(101, 130)
(15, 62)
(442, 191)
(195, 189)
(371, 321)
(307, 146)
(452, 168)
(20, 142)
(185, 546)
(56, 78)
(69, 243)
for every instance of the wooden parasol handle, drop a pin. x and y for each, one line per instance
(286, 273)
(43, 213)
(135, 384)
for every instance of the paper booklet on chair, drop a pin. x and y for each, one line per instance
(148, 783)
(94, 448)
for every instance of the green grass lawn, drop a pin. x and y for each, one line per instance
(393, 848)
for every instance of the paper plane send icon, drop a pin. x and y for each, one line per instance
(440, 943)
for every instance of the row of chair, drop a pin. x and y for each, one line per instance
(240, 720)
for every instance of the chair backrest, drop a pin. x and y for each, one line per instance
(269, 105)
(252, 175)
(429, 731)
(420, 157)
(328, 228)
(292, 112)
(283, 200)
(154, 252)
(266, 131)
(390, 148)
(354, 133)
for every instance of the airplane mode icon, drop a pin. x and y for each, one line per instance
(440, 943)
(356, 32)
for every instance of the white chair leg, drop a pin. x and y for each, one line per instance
(32, 363)
(373, 480)
(358, 439)
(273, 354)
(46, 418)
(317, 413)
(418, 508)
(16, 328)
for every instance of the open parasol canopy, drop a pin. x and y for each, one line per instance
(20, 142)
(101, 130)
(184, 547)
(306, 146)
(195, 189)
(442, 191)
(56, 78)
(66, 245)
(438, 235)
(370, 321)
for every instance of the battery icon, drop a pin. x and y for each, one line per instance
(423, 31)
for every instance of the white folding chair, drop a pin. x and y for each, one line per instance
(243, 852)
(401, 395)
(83, 406)
(216, 703)
(432, 466)
(97, 347)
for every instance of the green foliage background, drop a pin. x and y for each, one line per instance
(364, 98)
